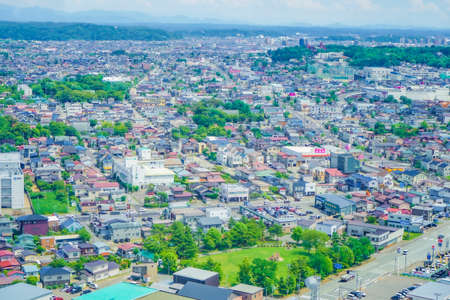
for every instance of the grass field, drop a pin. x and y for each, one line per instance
(230, 260)
(411, 235)
(48, 204)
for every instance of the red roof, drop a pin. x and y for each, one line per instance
(334, 172)
(127, 246)
(9, 263)
(105, 184)
(6, 253)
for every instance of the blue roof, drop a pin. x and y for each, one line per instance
(337, 200)
(119, 291)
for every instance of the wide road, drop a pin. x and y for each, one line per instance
(383, 263)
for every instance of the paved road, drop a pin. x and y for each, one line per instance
(384, 263)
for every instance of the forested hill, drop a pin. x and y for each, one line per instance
(80, 31)
(381, 56)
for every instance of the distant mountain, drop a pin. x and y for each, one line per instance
(45, 31)
(39, 14)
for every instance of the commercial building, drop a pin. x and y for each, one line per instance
(142, 170)
(233, 192)
(380, 236)
(11, 181)
(335, 205)
(408, 222)
(25, 291)
(344, 162)
(431, 291)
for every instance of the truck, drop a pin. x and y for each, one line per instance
(347, 277)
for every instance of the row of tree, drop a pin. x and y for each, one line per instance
(81, 88)
(16, 132)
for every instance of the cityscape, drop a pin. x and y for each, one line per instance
(203, 158)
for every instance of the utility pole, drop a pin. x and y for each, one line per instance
(405, 253)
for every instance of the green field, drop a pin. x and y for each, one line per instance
(411, 235)
(230, 260)
(48, 204)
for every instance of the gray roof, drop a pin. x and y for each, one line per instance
(195, 273)
(209, 221)
(428, 290)
(245, 288)
(337, 200)
(204, 292)
(23, 291)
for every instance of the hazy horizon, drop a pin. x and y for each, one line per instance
(402, 13)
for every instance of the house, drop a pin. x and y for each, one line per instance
(121, 230)
(71, 225)
(413, 177)
(380, 236)
(333, 175)
(424, 211)
(146, 272)
(33, 224)
(248, 292)
(361, 182)
(48, 242)
(86, 249)
(54, 276)
(8, 261)
(127, 250)
(206, 223)
(303, 188)
(233, 192)
(99, 269)
(25, 241)
(30, 270)
(24, 291)
(333, 204)
(6, 227)
(69, 252)
(206, 292)
(195, 275)
(101, 248)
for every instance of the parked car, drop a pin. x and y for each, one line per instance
(85, 292)
(75, 290)
(92, 285)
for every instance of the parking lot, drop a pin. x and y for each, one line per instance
(388, 286)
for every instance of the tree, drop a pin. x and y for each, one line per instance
(32, 280)
(84, 234)
(244, 274)
(371, 220)
(322, 264)
(212, 265)
(169, 261)
(57, 263)
(313, 239)
(276, 230)
(155, 243)
(286, 285)
(212, 239)
(300, 270)
(297, 233)
(93, 122)
(345, 256)
(264, 274)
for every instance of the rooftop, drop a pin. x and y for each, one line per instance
(198, 274)
(23, 291)
(119, 291)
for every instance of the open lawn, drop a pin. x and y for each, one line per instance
(411, 235)
(230, 260)
(48, 204)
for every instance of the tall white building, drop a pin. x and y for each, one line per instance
(142, 170)
(233, 192)
(11, 181)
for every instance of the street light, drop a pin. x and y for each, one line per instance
(405, 253)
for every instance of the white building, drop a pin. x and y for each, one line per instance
(233, 192)
(73, 109)
(11, 181)
(142, 170)
(376, 73)
(222, 213)
(27, 91)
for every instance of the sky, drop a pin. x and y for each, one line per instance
(416, 13)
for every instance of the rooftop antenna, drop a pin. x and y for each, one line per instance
(313, 283)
